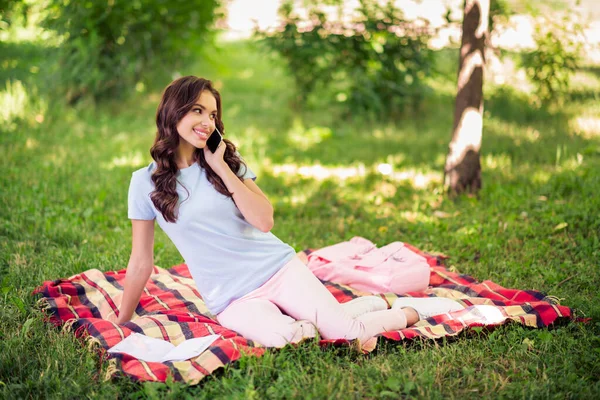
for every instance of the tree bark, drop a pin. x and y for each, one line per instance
(462, 172)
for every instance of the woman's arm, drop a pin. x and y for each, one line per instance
(141, 263)
(249, 199)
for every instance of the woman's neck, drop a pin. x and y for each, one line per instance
(185, 157)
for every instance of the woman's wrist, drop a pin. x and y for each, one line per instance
(221, 169)
(124, 316)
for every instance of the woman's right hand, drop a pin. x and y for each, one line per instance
(113, 318)
(215, 160)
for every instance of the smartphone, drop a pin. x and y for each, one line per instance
(214, 140)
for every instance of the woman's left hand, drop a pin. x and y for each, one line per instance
(215, 160)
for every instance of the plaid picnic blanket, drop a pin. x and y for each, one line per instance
(172, 309)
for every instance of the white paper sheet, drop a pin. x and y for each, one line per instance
(157, 350)
(490, 315)
(190, 348)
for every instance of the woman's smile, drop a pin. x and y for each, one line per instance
(202, 134)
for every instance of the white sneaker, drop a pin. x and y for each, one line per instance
(428, 306)
(304, 330)
(363, 305)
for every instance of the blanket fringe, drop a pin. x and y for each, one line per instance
(93, 343)
(111, 370)
(552, 300)
(43, 304)
(68, 326)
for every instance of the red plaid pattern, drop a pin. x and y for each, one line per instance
(172, 309)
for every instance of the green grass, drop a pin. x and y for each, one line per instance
(535, 225)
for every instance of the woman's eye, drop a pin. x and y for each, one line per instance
(198, 110)
(213, 116)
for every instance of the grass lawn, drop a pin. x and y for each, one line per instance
(535, 225)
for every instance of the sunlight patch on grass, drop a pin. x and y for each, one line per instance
(31, 144)
(571, 164)
(497, 162)
(298, 199)
(588, 127)
(532, 134)
(418, 217)
(384, 169)
(386, 189)
(304, 138)
(417, 179)
(381, 199)
(380, 133)
(13, 102)
(467, 231)
(128, 160)
(584, 80)
(319, 172)
(540, 176)
(518, 133)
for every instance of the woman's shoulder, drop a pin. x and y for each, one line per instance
(143, 175)
(147, 170)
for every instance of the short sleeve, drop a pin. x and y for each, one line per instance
(139, 203)
(245, 172)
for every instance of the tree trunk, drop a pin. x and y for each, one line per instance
(462, 172)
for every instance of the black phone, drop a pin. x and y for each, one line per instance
(214, 140)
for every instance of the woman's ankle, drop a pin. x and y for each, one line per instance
(412, 316)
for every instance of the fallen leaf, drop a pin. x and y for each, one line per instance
(440, 214)
(560, 226)
(528, 343)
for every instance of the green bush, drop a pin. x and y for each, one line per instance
(376, 62)
(108, 47)
(11, 10)
(554, 60)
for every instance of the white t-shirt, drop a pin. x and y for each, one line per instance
(226, 255)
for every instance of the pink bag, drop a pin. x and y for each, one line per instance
(360, 264)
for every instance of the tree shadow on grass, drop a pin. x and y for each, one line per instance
(419, 141)
(528, 134)
(512, 126)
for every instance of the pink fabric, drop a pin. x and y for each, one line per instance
(293, 302)
(360, 264)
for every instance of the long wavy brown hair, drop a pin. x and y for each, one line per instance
(177, 100)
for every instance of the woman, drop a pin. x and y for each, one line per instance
(220, 221)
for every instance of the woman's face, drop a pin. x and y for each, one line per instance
(197, 125)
